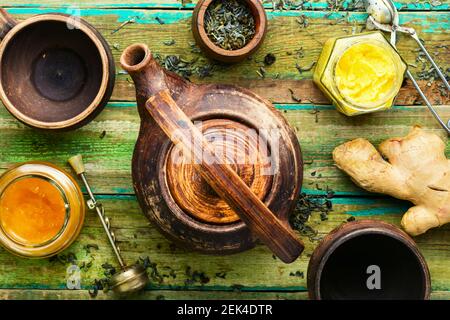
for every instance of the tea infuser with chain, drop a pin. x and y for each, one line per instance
(383, 15)
(132, 278)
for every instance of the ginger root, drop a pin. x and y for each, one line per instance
(417, 170)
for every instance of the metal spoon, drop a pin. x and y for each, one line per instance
(132, 278)
(384, 16)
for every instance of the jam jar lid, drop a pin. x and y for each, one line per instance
(55, 194)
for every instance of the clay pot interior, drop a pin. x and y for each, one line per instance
(342, 274)
(193, 194)
(216, 52)
(53, 76)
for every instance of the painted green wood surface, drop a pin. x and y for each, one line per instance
(225, 273)
(107, 144)
(285, 37)
(404, 5)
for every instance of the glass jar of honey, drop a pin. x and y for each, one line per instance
(360, 73)
(41, 210)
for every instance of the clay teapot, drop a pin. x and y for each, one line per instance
(225, 203)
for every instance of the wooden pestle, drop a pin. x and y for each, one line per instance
(223, 179)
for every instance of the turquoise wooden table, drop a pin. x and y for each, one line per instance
(297, 31)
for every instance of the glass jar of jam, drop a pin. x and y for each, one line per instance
(361, 73)
(41, 210)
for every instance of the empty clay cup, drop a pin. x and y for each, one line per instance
(56, 71)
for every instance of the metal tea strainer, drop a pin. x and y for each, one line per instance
(132, 278)
(383, 15)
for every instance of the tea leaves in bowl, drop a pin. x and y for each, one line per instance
(229, 24)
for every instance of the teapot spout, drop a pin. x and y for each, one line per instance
(148, 76)
(6, 23)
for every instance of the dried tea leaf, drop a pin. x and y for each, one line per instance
(306, 206)
(170, 42)
(269, 59)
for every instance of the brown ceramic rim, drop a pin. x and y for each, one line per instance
(96, 103)
(198, 20)
(353, 229)
(137, 47)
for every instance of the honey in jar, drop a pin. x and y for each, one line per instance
(41, 210)
(32, 211)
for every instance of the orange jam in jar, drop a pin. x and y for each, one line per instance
(32, 211)
(41, 210)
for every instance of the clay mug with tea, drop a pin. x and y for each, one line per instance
(368, 260)
(56, 71)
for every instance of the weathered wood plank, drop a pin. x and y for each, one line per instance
(108, 158)
(305, 91)
(27, 294)
(221, 273)
(403, 5)
(285, 38)
(169, 295)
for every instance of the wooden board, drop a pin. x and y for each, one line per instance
(107, 145)
(403, 5)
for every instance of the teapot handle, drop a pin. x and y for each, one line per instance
(223, 179)
(7, 22)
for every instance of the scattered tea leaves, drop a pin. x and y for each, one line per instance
(64, 258)
(90, 246)
(298, 274)
(85, 266)
(303, 21)
(195, 276)
(261, 72)
(269, 59)
(99, 284)
(195, 48)
(170, 42)
(186, 68)
(305, 69)
(152, 269)
(294, 96)
(306, 206)
(205, 71)
(109, 270)
(221, 275)
(176, 64)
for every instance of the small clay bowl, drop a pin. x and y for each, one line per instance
(340, 267)
(229, 56)
(56, 71)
